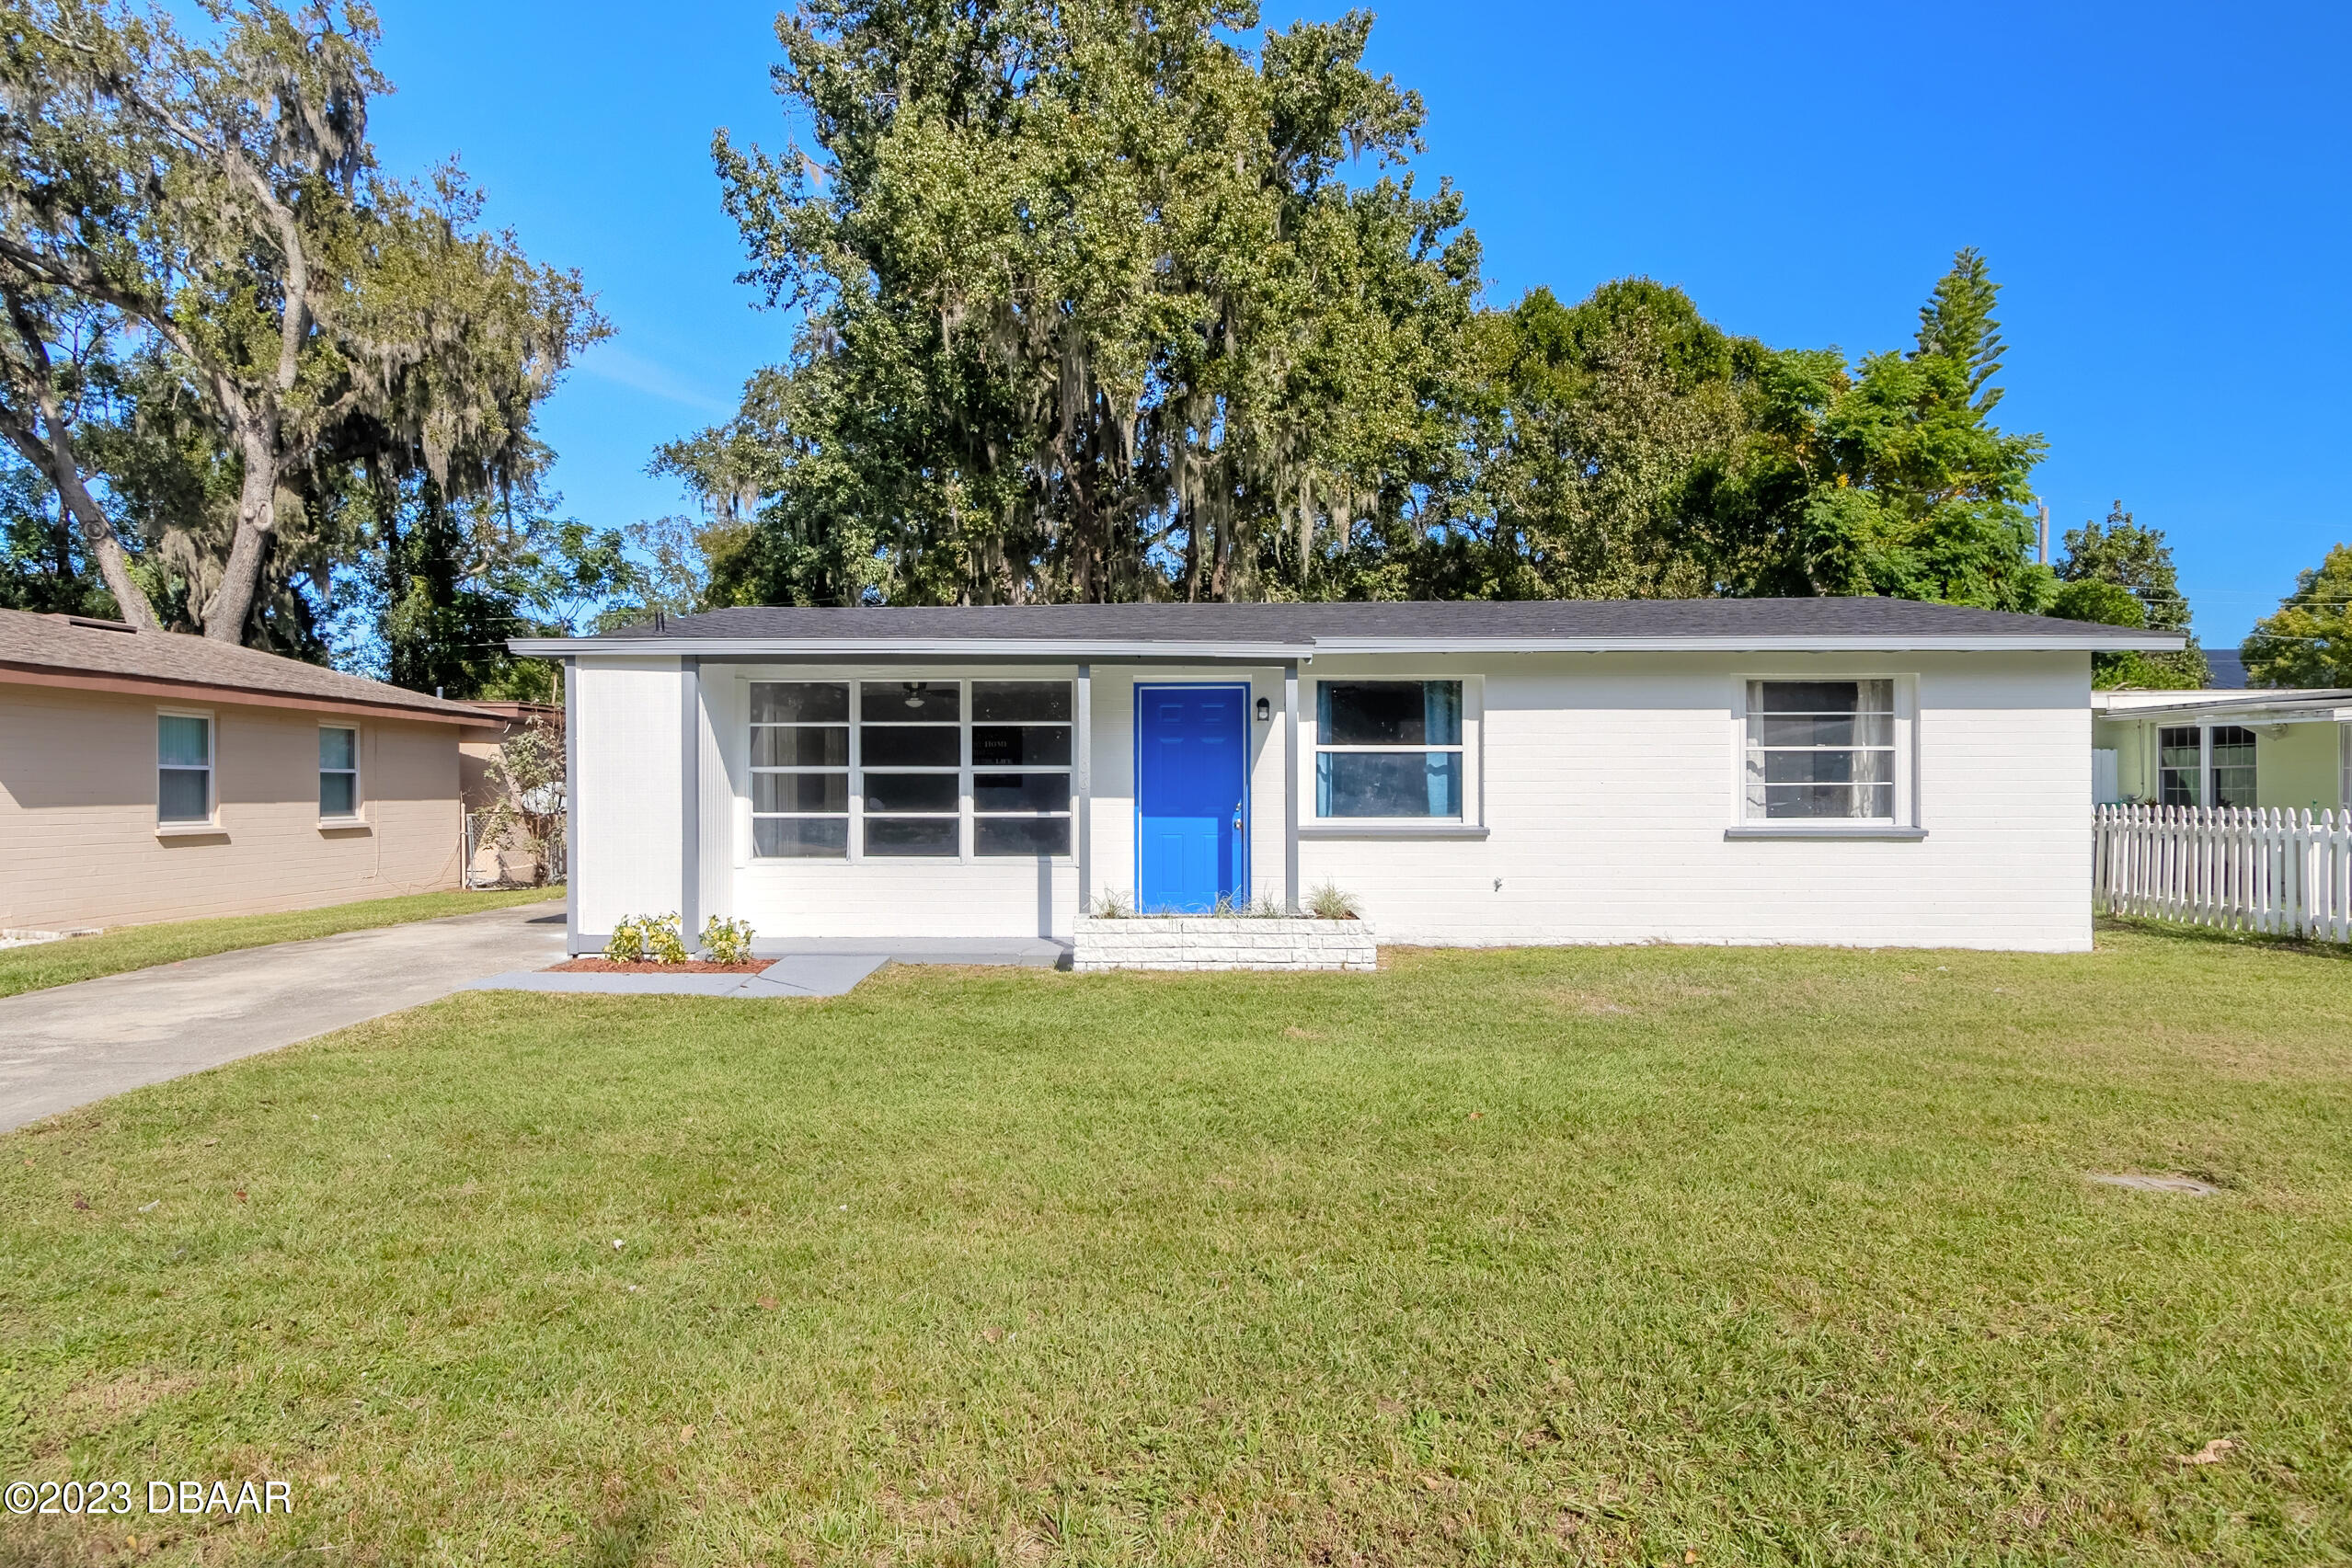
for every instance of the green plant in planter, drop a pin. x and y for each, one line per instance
(727, 941)
(1112, 905)
(1328, 903)
(626, 944)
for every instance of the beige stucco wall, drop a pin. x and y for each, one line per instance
(78, 845)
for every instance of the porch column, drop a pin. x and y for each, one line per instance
(572, 814)
(690, 799)
(1290, 786)
(1084, 778)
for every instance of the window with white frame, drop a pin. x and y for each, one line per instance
(1388, 749)
(1820, 749)
(2233, 748)
(919, 760)
(1021, 751)
(800, 769)
(911, 744)
(338, 772)
(183, 768)
(2180, 765)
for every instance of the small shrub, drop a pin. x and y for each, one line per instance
(664, 941)
(726, 941)
(626, 944)
(1328, 903)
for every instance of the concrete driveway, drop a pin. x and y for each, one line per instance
(71, 1044)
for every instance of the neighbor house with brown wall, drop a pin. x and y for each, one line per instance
(154, 777)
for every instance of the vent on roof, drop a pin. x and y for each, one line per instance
(95, 625)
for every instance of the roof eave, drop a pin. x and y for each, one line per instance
(1075, 648)
(118, 684)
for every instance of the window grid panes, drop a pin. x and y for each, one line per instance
(2180, 765)
(921, 759)
(1388, 749)
(800, 769)
(2234, 749)
(1021, 739)
(1820, 749)
(338, 772)
(183, 768)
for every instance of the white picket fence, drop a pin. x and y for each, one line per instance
(2264, 869)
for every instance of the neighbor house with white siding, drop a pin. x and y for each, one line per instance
(1861, 771)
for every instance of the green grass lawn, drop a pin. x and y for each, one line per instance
(1589, 1255)
(141, 946)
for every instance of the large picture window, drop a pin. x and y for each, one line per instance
(183, 768)
(919, 760)
(1388, 749)
(1820, 749)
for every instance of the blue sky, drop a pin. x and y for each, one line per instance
(2162, 190)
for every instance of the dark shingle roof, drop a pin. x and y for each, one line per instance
(53, 644)
(1486, 622)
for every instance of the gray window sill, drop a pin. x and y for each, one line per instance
(1885, 830)
(344, 825)
(190, 831)
(1406, 829)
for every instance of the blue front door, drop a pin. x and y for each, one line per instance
(1191, 795)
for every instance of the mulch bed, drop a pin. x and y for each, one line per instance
(608, 966)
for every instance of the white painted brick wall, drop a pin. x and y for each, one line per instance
(1605, 782)
(1205, 942)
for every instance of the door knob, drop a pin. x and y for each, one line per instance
(1237, 818)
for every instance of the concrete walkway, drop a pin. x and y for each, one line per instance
(785, 977)
(70, 1045)
(824, 965)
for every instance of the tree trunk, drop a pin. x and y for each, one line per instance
(231, 605)
(98, 538)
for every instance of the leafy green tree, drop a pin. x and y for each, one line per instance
(1091, 313)
(1891, 478)
(1597, 429)
(288, 309)
(2134, 562)
(2308, 640)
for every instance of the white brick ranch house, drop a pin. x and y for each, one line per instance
(1860, 771)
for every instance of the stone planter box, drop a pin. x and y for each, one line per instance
(1208, 942)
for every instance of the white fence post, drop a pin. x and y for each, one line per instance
(2262, 868)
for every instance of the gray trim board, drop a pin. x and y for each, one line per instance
(1828, 831)
(690, 792)
(1403, 830)
(572, 801)
(1290, 786)
(1083, 826)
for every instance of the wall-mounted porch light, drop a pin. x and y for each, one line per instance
(1265, 710)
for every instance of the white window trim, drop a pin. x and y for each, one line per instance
(1905, 826)
(2208, 782)
(968, 814)
(359, 817)
(1470, 824)
(209, 826)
